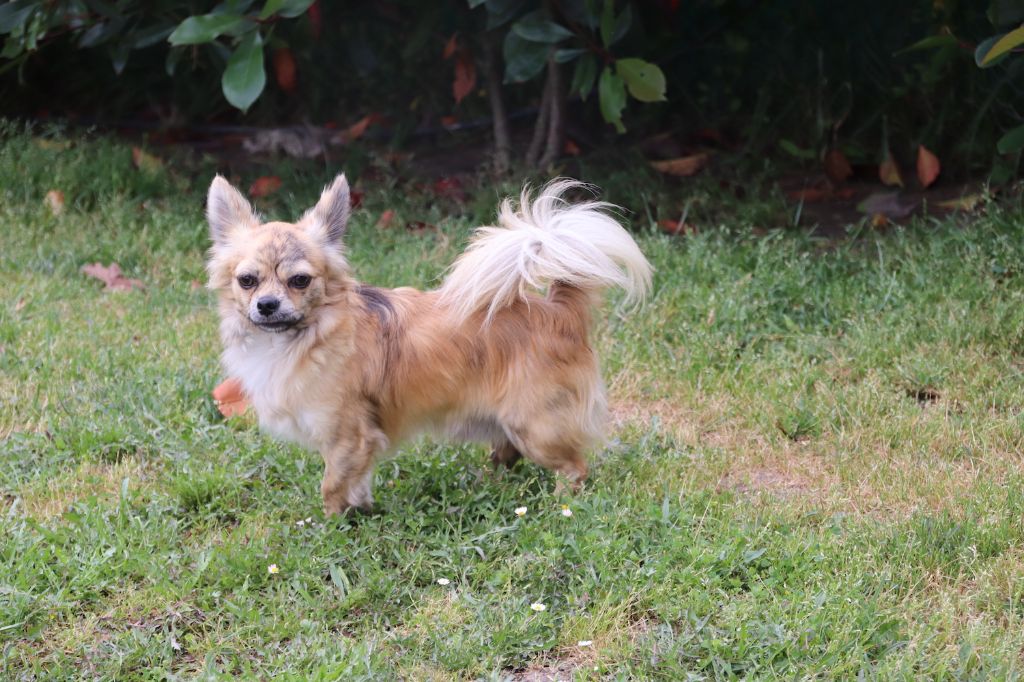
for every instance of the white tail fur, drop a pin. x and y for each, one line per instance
(546, 240)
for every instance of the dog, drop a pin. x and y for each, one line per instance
(352, 370)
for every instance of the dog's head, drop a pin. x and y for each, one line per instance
(275, 276)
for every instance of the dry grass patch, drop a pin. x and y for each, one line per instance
(48, 499)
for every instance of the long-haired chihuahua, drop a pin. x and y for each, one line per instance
(352, 370)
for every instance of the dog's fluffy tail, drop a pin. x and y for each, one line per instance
(546, 241)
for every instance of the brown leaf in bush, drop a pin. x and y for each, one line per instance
(284, 69)
(264, 186)
(928, 166)
(450, 46)
(889, 172)
(465, 76)
(837, 168)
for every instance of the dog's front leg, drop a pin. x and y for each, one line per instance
(348, 469)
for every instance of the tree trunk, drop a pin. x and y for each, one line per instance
(540, 128)
(502, 141)
(556, 119)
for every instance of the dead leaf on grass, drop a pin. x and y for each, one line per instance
(385, 219)
(55, 201)
(419, 226)
(968, 203)
(111, 276)
(683, 166)
(675, 227)
(146, 162)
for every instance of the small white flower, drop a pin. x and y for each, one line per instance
(309, 519)
(585, 642)
(300, 523)
(443, 581)
(566, 512)
(272, 569)
(538, 607)
(520, 511)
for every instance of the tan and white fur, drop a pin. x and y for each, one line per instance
(353, 370)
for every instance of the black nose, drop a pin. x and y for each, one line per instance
(267, 305)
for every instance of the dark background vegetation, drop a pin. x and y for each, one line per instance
(791, 78)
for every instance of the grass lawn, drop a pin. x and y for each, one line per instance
(814, 468)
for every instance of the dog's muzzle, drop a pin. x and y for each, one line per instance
(275, 323)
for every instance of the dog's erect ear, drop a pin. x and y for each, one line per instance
(227, 209)
(329, 218)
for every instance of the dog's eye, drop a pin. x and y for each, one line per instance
(299, 281)
(246, 281)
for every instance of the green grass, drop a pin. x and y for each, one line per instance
(814, 470)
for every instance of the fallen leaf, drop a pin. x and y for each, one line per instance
(675, 227)
(145, 161)
(195, 285)
(837, 168)
(355, 198)
(813, 195)
(385, 219)
(419, 226)
(889, 204)
(879, 221)
(358, 129)
(55, 201)
(449, 121)
(112, 277)
(19, 305)
(928, 166)
(52, 145)
(889, 172)
(450, 47)
(264, 186)
(808, 195)
(284, 69)
(465, 76)
(683, 166)
(571, 148)
(450, 188)
(229, 398)
(964, 203)
(315, 20)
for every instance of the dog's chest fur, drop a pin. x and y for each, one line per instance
(282, 381)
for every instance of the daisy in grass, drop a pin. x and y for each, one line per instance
(538, 606)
